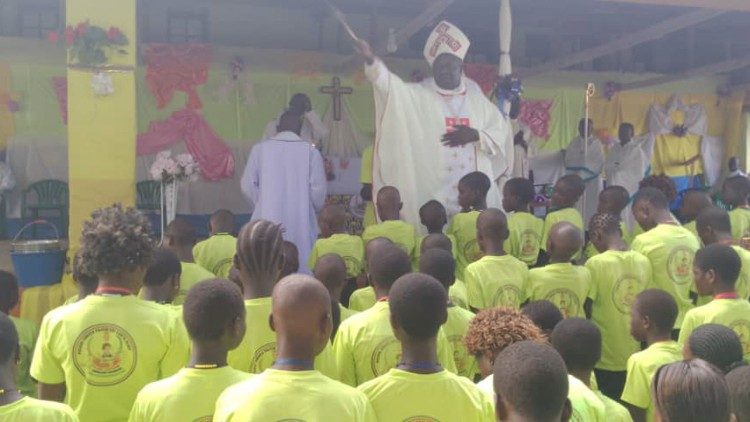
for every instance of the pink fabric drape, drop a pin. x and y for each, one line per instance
(60, 85)
(177, 67)
(213, 156)
(535, 115)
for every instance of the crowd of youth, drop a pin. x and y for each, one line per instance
(499, 316)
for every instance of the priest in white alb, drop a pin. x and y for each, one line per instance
(285, 182)
(432, 133)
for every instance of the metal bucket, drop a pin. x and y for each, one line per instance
(38, 262)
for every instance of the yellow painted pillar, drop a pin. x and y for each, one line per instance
(101, 129)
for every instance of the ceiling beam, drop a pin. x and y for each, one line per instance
(624, 42)
(708, 70)
(737, 5)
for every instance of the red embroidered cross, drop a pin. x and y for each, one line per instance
(450, 122)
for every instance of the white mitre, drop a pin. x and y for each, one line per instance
(446, 38)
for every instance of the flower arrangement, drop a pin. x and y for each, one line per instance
(88, 44)
(166, 169)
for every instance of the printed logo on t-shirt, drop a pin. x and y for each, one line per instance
(352, 264)
(263, 358)
(459, 353)
(529, 244)
(566, 300)
(421, 418)
(208, 418)
(742, 328)
(508, 296)
(385, 356)
(624, 292)
(105, 354)
(472, 251)
(680, 265)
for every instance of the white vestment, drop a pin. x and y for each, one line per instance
(411, 119)
(587, 163)
(285, 180)
(313, 129)
(627, 165)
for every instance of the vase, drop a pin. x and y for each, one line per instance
(168, 204)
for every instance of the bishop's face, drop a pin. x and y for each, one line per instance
(447, 70)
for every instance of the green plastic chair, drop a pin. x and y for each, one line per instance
(45, 197)
(148, 195)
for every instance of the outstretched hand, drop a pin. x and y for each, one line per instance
(364, 50)
(461, 136)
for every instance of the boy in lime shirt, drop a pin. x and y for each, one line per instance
(180, 239)
(291, 389)
(472, 197)
(217, 252)
(525, 236)
(669, 247)
(651, 320)
(714, 226)
(562, 283)
(617, 276)
(392, 227)
(433, 216)
(531, 384)
(214, 315)
(364, 298)
(26, 330)
(331, 271)
(497, 279)
(260, 259)
(694, 201)
(567, 192)
(457, 292)
(735, 192)
(579, 342)
(440, 264)
(365, 347)
(715, 272)
(334, 239)
(97, 353)
(419, 387)
(162, 280)
(14, 405)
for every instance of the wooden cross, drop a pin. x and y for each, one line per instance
(336, 91)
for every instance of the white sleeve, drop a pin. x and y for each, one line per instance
(319, 129)
(250, 181)
(318, 182)
(270, 130)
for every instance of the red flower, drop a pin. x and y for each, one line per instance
(53, 37)
(81, 28)
(113, 34)
(70, 36)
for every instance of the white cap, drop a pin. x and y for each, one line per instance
(446, 38)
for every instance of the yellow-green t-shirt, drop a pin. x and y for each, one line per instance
(564, 284)
(642, 367)
(586, 405)
(615, 411)
(418, 254)
(742, 287)
(692, 228)
(525, 237)
(192, 274)
(349, 248)
(463, 228)
(105, 349)
(278, 395)
(399, 232)
(365, 347)
(670, 249)
(455, 329)
(257, 351)
(616, 279)
(30, 409)
(346, 312)
(497, 281)
(732, 313)
(216, 254)
(27, 334)
(442, 396)
(189, 395)
(458, 294)
(638, 230)
(739, 218)
(570, 215)
(362, 299)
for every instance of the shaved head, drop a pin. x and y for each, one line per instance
(694, 202)
(613, 200)
(222, 221)
(492, 225)
(388, 203)
(387, 264)
(180, 233)
(565, 240)
(436, 241)
(333, 217)
(301, 314)
(374, 245)
(331, 271)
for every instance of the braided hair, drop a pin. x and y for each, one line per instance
(604, 223)
(260, 251)
(716, 344)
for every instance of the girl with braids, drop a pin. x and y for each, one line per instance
(717, 345)
(97, 353)
(617, 276)
(259, 261)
